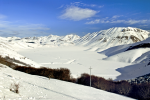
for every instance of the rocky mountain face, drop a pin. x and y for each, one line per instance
(141, 79)
(104, 39)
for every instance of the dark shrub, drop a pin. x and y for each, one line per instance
(123, 88)
(84, 79)
(141, 91)
(5, 61)
(61, 74)
(144, 91)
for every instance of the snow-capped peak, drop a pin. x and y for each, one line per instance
(112, 37)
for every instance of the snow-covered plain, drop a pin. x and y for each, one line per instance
(34, 87)
(76, 59)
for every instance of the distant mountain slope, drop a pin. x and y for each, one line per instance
(96, 41)
(104, 39)
(51, 40)
(132, 51)
(8, 50)
(137, 53)
(9, 46)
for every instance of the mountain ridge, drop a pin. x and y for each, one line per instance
(98, 41)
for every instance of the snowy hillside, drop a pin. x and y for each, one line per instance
(32, 87)
(104, 39)
(128, 53)
(8, 49)
(137, 53)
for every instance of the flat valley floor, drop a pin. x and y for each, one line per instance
(77, 59)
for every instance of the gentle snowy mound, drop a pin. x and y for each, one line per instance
(104, 39)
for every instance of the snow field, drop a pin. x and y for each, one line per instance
(76, 59)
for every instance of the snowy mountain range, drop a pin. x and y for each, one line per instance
(97, 41)
(104, 39)
(53, 40)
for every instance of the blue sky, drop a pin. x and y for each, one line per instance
(27, 18)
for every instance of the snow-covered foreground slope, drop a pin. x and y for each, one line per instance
(99, 41)
(40, 88)
(76, 59)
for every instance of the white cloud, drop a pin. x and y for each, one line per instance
(118, 21)
(114, 20)
(61, 6)
(101, 6)
(10, 29)
(96, 21)
(131, 21)
(116, 16)
(136, 13)
(77, 13)
(85, 5)
(93, 5)
(4, 23)
(93, 22)
(33, 27)
(2, 16)
(23, 31)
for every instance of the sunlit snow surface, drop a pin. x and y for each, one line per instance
(76, 59)
(34, 87)
(104, 51)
